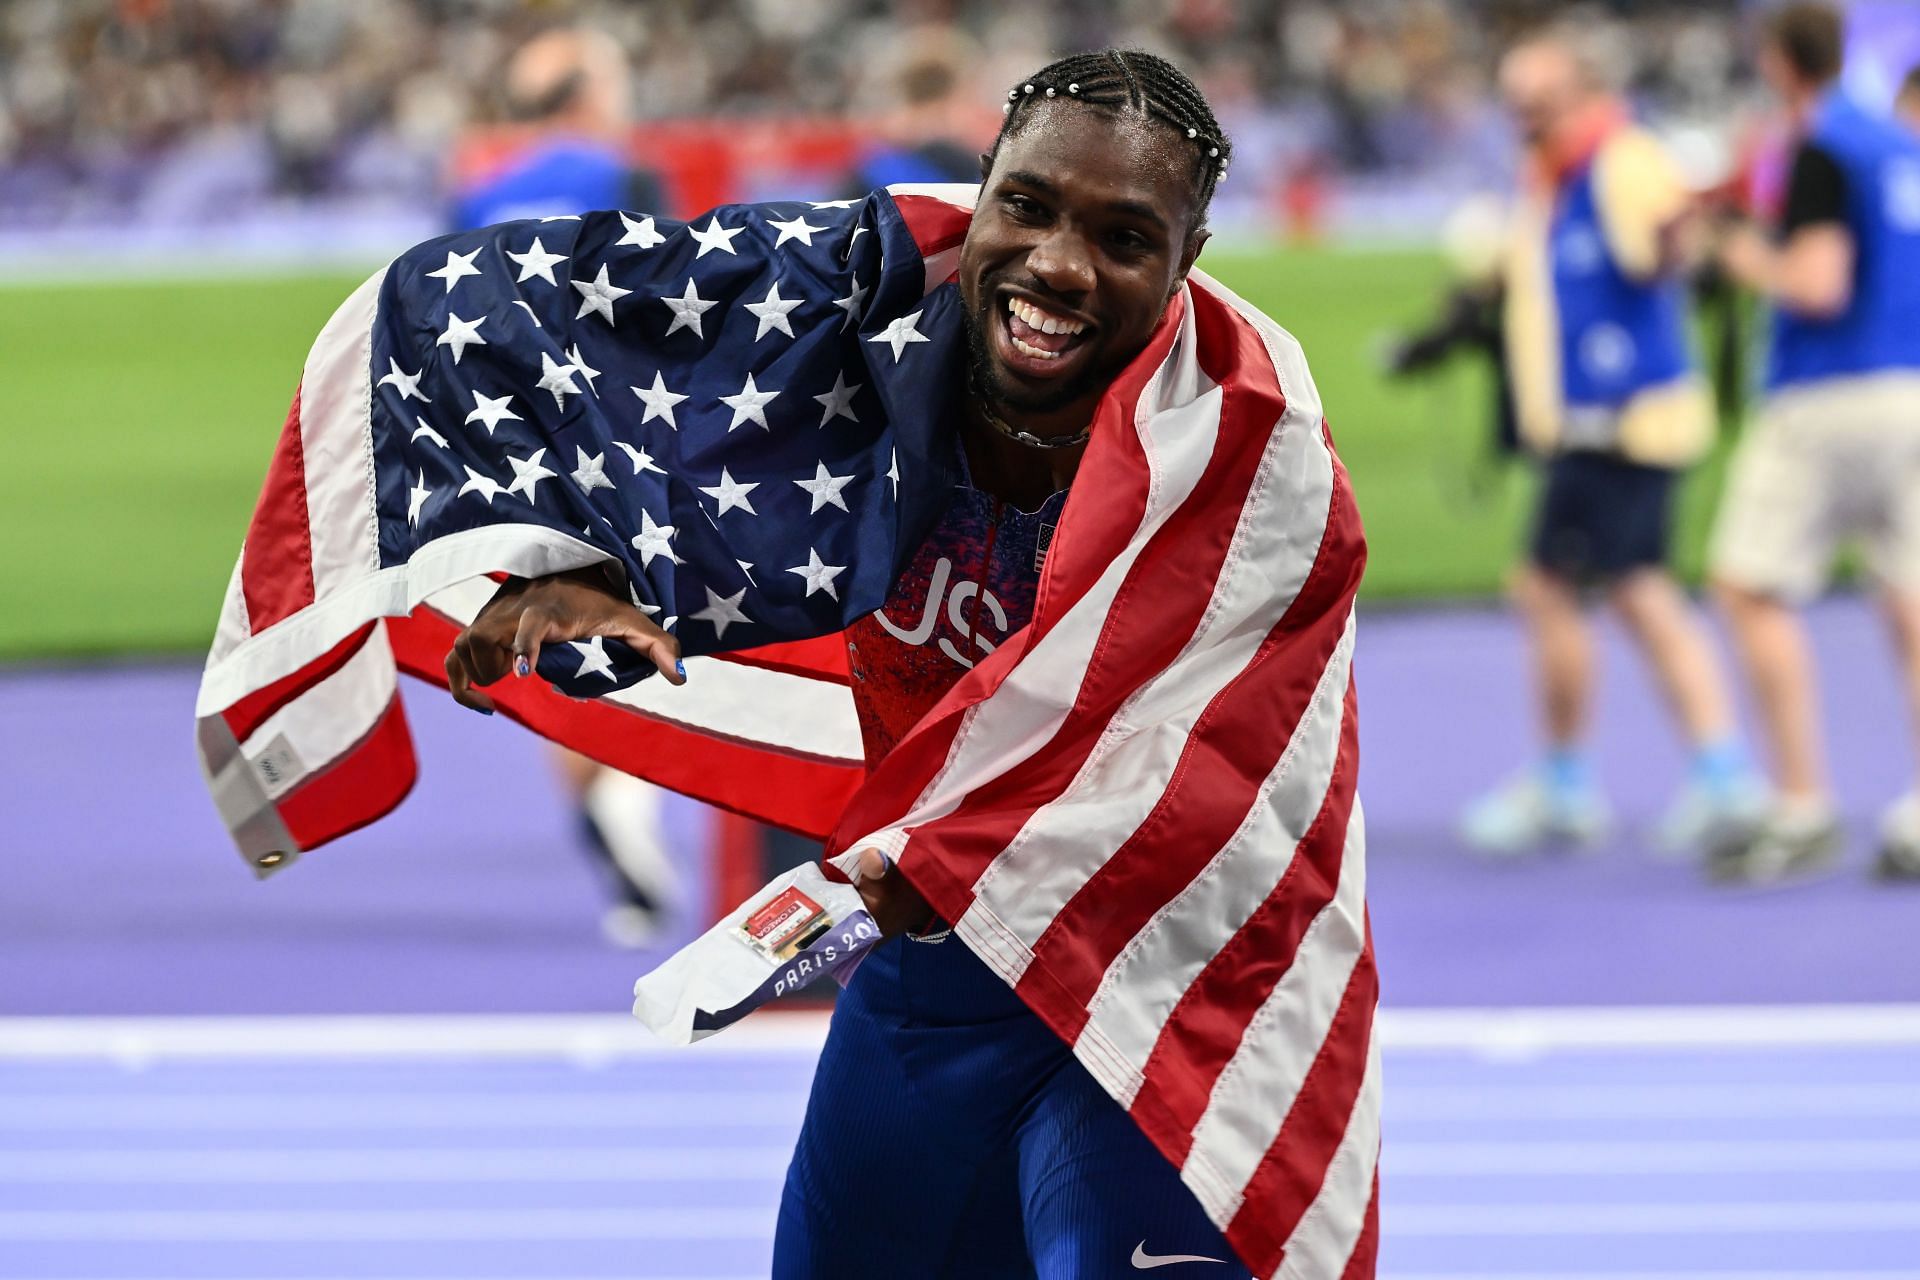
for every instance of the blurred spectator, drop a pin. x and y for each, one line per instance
(1835, 455)
(568, 92)
(1606, 393)
(199, 112)
(923, 106)
(1906, 104)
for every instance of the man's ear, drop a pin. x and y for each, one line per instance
(1191, 250)
(986, 165)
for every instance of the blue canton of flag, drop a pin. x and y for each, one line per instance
(734, 409)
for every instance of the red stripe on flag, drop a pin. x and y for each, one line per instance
(246, 715)
(1289, 1176)
(1154, 613)
(1114, 472)
(935, 225)
(782, 788)
(821, 658)
(363, 785)
(1233, 746)
(1210, 1018)
(276, 563)
(1365, 1258)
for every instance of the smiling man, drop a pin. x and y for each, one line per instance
(1122, 1018)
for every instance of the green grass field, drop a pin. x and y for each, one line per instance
(139, 418)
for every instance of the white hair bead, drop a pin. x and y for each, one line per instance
(1006, 108)
(1073, 88)
(1049, 91)
(1193, 133)
(1029, 88)
(1213, 152)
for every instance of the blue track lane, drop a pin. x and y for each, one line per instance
(1773, 1163)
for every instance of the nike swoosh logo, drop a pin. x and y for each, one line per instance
(1144, 1261)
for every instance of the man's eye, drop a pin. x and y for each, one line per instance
(1129, 242)
(1023, 207)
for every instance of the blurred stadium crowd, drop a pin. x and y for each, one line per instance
(158, 113)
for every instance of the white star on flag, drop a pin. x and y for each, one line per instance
(528, 308)
(419, 496)
(729, 493)
(557, 378)
(659, 401)
(851, 303)
(746, 567)
(536, 261)
(586, 371)
(687, 310)
(893, 470)
(714, 237)
(590, 473)
(825, 488)
(722, 611)
(408, 383)
(819, 575)
(594, 659)
(772, 312)
(641, 234)
(527, 473)
(598, 295)
(485, 486)
(654, 540)
(900, 333)
(459, 266)
(798, 229)
(750, 405)
(641, 459)
(461, 334)
(491, 409)
(420, 428)
(839, 401)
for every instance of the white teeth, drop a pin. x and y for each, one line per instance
(1044, 321)
(1036, 352)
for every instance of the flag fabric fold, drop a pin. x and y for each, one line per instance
(1140, 810)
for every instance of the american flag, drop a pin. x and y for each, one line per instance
(1140, 810)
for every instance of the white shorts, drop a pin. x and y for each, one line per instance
(1826, 464)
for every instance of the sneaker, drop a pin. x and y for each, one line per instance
(1788, 845)
(620, 817)
(1899, 857)
(1709, 816)
(1526, 814)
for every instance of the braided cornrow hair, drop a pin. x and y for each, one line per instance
(1130, 80)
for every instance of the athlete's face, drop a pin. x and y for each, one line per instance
(1082, 236)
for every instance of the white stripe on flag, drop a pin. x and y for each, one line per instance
(1275, 542)
(773, 708)
(1326, 1235)
(1147, 979)
(336, 401)
(1021, 717)
(1260, 1084)
(310, 733)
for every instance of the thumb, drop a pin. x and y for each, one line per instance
(872, 865)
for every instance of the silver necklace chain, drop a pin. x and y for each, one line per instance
(1024, 437)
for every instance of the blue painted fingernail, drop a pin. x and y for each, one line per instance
(520, 667)
(680, 668)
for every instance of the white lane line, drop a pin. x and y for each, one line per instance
(1499, 1159)
(1756, 1218)
(292, 1165)
(594, 1038)
(1880, 1099)
(384, 1225)
(506, 1109)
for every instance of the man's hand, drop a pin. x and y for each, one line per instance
(525, 614)
(895, 905)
